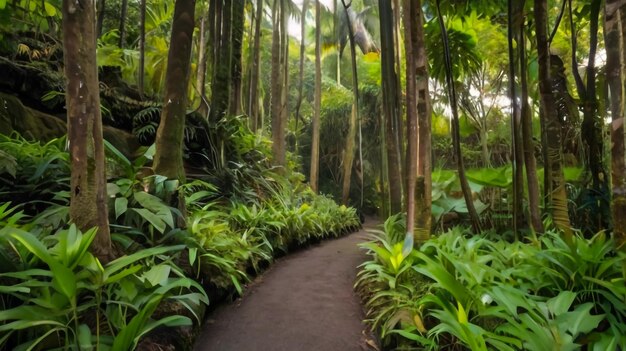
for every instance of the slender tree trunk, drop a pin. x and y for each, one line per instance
(142, 46)
(88, 198)
(277, 80)
(203, 109)
(305, 5)
(516, 135)
(315, 142)
(122, 28)
(337, 35)
(168, 160)
(527, 136)
(284, 63)
(101, 7)
(399, 125)
(237, 44)
(613, 28)
(221, 85)
(554, 162)
(256, 64)
(390, 105)
(456, 134)
(410, 30)
(348, 158)
(423, 187)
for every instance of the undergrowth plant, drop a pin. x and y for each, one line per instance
(459, 291)
(61, 297)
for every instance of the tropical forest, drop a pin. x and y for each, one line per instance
(337, 175)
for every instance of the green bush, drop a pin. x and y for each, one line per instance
(58, 295)
(483, 293)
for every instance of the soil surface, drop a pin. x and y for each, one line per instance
(305, 301)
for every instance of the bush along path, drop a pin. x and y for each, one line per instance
(304, 302)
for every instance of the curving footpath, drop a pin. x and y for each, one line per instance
(305, 301)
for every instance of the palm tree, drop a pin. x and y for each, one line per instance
(278, 80)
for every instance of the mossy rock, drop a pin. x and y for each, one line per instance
(36, 125)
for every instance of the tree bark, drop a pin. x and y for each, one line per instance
(423, 187)
(516, 116)
(122, 28)
(101, 7)
(168, 160)
(348, 157)
(277, 81)
(317, 104)
(203, 109)
(390, 105)
(88, 198)
(557, 201)
(237, 44)
(613, 29)
(305, 5)
(254, 76)
(529, 145)
(221, 85)
(142, 46)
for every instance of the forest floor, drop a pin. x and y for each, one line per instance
(305, 301)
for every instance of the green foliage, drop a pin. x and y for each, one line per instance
(32, 174)
(62, 297)
(483, 293)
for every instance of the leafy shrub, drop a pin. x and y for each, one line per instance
(33, 175)
(480, 292)
(62, 297)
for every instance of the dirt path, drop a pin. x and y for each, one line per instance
(304, 302)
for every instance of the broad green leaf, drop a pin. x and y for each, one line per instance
(157, 275)
(3, 4)
(155, 220)
(84, 338)
(121, 205)
(561, 303)
(51, 11)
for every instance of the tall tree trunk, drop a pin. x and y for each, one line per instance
(101, 7)
(516, 116)
(256, 64)
(237, 44)
(527, 136)
(88, 198)
(337, 35)
(277, 81)
(613, 29)
(168, 160)
(557, 201)
(221, 85)
(122, 28)
(390, 105)
(203, 109)
(423, 187)
(142, 46)
(399, 126)
(305, 5)
(592, 126)
(315, 142)
(348, 157)
(456, 134)
(418, 167)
